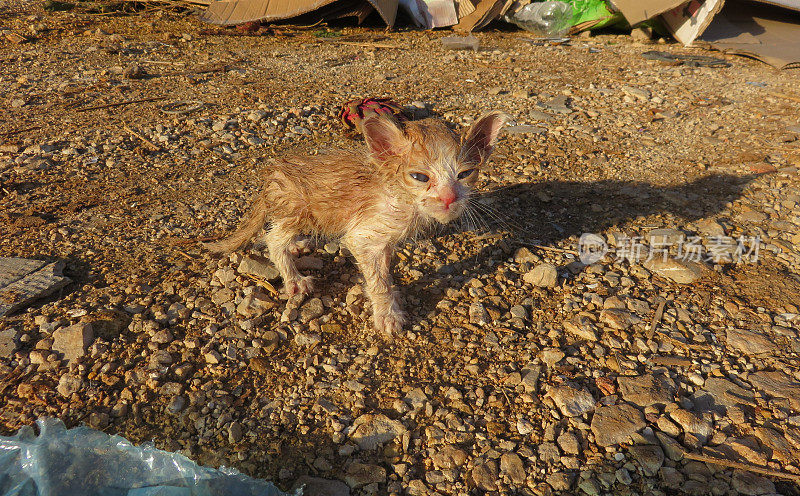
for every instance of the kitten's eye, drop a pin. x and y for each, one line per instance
(466, 173)
(419, 177)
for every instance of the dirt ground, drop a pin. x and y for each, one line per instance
(487, 390)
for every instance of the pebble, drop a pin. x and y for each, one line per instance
(73, 341)
(679, 271)
(371, 431)
(571, 400)
(543, 275)
(615, 424)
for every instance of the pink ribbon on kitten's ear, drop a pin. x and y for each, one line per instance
(480, 139)
(383, 136)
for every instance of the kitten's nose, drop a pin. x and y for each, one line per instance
(448, 196)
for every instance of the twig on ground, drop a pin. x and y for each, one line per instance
(549, 248)
(742, 466)
(11, 133)
(656, 318)
(152, 146)
(119, 104)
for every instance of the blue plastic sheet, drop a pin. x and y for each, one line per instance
(86, 462)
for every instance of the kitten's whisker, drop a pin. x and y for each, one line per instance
(496, 216)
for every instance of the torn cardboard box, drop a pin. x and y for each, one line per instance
(688, 21)
(429, 14)
(764, 32)
(229, 12)
(636, 11)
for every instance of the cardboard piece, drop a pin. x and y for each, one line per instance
(464, 8)
(485, 12)
(228, 12)
(636, 11)
(766, 33)
(688, 21)
(429, 14)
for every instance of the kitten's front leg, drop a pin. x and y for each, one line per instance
(374, 260)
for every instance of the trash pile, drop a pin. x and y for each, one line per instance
(766, 30)
(86, 462)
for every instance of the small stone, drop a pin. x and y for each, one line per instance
(750, 343)
(777, 384)
(235, 432)
(648, 389)
(511, 465)
(69, 384)
(176, 404)
(212, 357)
(671, 447)
(73, 341)
(571, 400)
(163, 336)
(8, 342)
(617, 318)
(544, 275)
(222, 296)
(615, 424)
(751, 484)
(259, 267)
(371, 431)
(316, 486)
(649, 457)
(306, 340)
(551, 356)
(583, 330)
(570, 443)
(530, 378)
(449, 457)
(525, 427)
(485, 474)
(309, 263)
(134, 71)
(623, 476)
(362, 474)
(255, 304)
(679, 271)
(692, 423)
(311, 310)
(638, 93)
(589, 486)
(560, 481)
(478, 314)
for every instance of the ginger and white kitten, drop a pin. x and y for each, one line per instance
(409, 176)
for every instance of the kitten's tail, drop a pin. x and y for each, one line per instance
(255, 221)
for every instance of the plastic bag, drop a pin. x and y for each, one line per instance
(554, 19)
(86, 462)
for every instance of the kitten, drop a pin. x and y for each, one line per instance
(408, 177)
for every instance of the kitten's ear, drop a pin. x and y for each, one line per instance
(383, 136)
(482, 135)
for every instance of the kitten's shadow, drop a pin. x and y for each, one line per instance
(551, 211)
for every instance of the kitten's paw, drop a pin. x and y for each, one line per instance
(390, 323)
(304, 285)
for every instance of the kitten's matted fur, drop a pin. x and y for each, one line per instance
(408, 177)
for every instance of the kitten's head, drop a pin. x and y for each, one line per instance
(433, 165)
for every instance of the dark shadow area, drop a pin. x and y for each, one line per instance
(551, 211)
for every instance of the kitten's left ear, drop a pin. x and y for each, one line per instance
(479, 143)
(383, 136)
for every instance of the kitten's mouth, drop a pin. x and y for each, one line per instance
(445, 215)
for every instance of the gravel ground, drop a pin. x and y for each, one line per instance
(523, 370)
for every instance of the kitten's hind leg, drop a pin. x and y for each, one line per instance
(280, 241)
